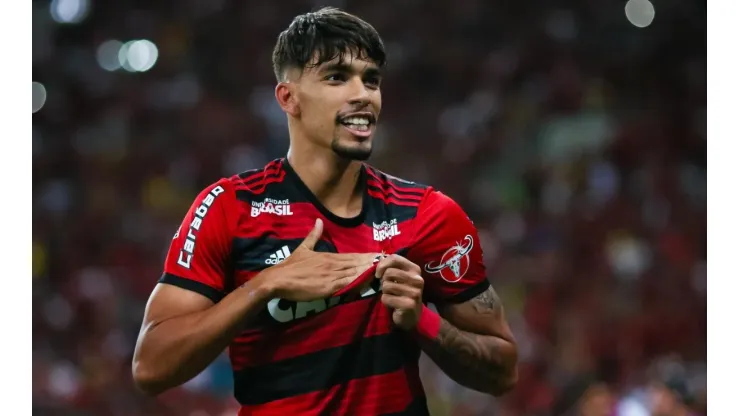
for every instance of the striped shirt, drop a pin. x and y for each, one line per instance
(335, 356)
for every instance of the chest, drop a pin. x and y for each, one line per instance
(269, 235)
(272, 232)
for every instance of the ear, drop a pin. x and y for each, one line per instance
(285, 94)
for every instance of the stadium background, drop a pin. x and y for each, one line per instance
(574, 139)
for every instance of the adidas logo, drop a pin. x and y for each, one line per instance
(278, 256)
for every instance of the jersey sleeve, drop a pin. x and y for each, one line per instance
(447, 248)
(198, 257)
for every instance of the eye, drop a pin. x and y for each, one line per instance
(372, 82)
(336, 77)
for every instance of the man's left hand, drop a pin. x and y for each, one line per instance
(402, 288)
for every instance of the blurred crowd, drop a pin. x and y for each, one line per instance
(573, 139)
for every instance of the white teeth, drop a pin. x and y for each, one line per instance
(357, 123)
(356, 120)
(358, 127)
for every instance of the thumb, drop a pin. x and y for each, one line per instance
(313, 237)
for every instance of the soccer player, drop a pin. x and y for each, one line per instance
(282, 266)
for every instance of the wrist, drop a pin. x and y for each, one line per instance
(264, 286)
(429, 324)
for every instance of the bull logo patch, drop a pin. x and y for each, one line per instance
(454, 263)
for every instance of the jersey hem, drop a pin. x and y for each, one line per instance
(469, 293)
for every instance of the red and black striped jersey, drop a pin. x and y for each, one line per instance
(336, 356)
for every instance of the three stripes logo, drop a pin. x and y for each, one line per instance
(278, 256)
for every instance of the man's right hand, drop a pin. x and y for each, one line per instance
(308, 275)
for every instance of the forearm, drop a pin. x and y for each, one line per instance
(485, 363)
(175, 350)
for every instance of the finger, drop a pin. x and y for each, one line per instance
(359, 269)
(397, 262)
(362, 281)
(398, 289)
(397, 302)
(338, 285)
(313, 237)
(403, 277)
(352, 260)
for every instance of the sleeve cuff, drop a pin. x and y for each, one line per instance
(211, 293)
(468, 293)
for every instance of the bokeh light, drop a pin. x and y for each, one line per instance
(69, 11)
(142, 55)
(123, 56)
(39, 96)
(138, 55)
(640, 12)
(107, 55)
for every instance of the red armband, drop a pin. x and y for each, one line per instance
(429, 323)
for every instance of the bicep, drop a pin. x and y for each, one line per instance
(169, 301)
(482, 315)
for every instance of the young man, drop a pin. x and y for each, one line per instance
(242, 274)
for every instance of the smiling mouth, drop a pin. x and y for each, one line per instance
(359, 123)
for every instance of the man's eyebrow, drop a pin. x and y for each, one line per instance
(345, 68)
(337, 67)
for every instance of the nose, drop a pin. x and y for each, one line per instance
(360, 95)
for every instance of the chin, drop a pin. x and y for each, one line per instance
(355, 151)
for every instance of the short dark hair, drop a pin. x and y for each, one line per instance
(329, 32)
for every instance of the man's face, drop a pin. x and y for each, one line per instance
(340, 104)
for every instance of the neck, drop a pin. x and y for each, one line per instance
(332, 179)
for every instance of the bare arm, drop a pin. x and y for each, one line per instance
(183, 332)
(475, 346)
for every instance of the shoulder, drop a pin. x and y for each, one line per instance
(213, 207)
(436, 199)
(255, 180)
(226, 192)
(438, 204)
(439, 212)
(428, 200)
(389, 184)
(220, 191)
